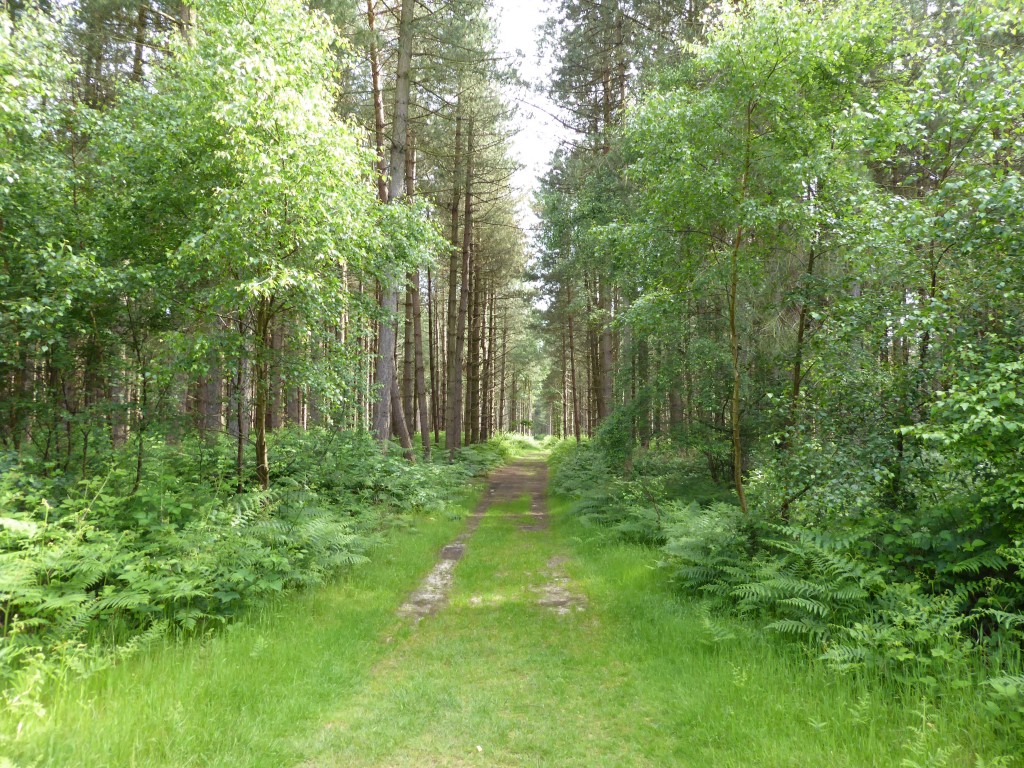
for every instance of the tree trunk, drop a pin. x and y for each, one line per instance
(453, 365)
(293, 406)
(605, 363)
(241, 420)
(398, 423)
(473, 365)
(415, 317)
(188, 23)
(594, 405)
(629, 394)
(140, 43)
(487, 428)
(734, 341)
(385, 368)
(801, 330)
(378, 106)
(210, 399)
(261, 383)
(409, 357)
(421, 383)
(434, 393)
(513, 405)
(441, 338)
(640, 390)
(502, 374)
(454, 424)
(572, 367)
(119, 407)
(563, 431)
(675, 412)
(470, 349)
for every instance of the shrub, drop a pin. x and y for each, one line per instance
(88, 569)
(913, 603)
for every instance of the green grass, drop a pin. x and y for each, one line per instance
(244, 697)
(332, 678)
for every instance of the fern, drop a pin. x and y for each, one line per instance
(715, 633)
(96, 563)
(975, 564)
(806, 627)
(1005, 618)
(122, 601)
(843, 656)
(806, 605)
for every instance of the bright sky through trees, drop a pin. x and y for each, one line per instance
(540, 133)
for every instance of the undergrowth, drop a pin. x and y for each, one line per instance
(855, 596)
(91, 570)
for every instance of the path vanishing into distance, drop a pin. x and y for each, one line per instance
(525, 479)
(732, 290)
(511, 636)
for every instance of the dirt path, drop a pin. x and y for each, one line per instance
(532, 644)
(527, 477)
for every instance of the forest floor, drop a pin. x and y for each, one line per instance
(516, 637)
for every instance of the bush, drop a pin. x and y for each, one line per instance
(635, 508)
(88, 568)
(915, 605)
(575, 469)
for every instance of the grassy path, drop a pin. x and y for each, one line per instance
(618, 674)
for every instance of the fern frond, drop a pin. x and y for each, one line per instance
(121, 601)
(1004, 618)
(992, 560)
(814, 607)
(802, 627)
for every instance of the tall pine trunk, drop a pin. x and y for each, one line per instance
(453, 366)
(435, 399)
(385, 368)
(453, 433)
(572, 369)
(416, 314)
(487, 428)
(501, 375)
(473, 366)
(605, 346)
(408, 359)
(378, 106)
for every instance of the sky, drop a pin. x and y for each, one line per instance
(539, 134)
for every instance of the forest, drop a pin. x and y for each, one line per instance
(790, 260)
(713, 436)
